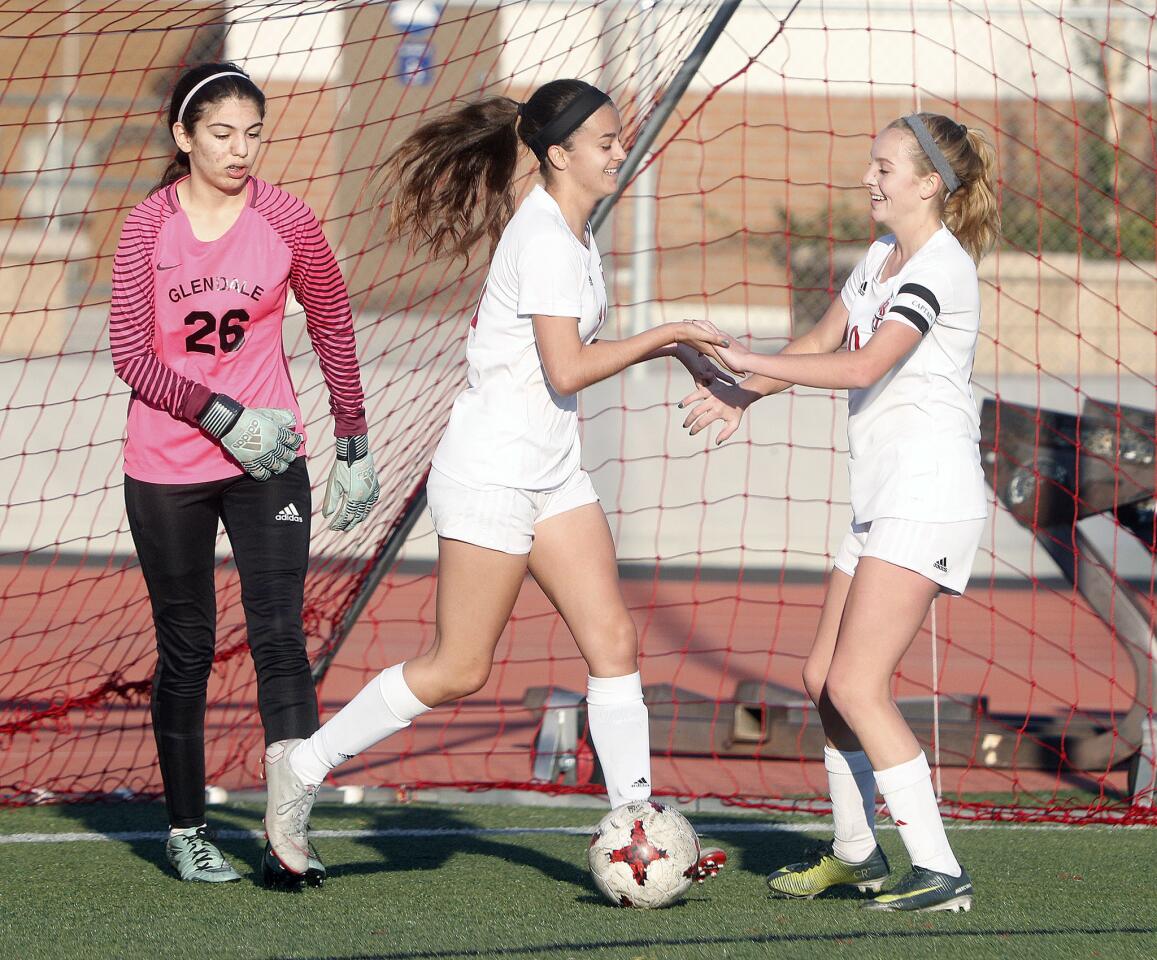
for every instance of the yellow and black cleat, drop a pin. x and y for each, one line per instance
(810, 878)
(924, 890)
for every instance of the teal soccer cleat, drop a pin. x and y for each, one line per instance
(195, 857)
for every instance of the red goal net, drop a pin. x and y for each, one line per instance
(1033, 694)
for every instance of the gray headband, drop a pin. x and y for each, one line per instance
(933, 152)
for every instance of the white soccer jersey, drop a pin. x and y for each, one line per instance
(914, 435)
(509, 427)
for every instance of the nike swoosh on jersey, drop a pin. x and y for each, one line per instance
(167, 266)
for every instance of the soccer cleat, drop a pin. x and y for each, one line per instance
(315, 869)
(277, 876)
(195, 857)
(809, 878)
(287, 808)
(926, 890)
(709, 864)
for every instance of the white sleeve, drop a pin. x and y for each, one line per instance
(853, 286)
(925, 293)
(550, 277)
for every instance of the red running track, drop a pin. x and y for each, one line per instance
(70, 628)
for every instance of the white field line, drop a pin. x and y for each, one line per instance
(708, 829)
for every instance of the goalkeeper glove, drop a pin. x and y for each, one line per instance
(261, 439)
(353, 484)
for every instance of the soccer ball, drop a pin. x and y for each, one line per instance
(643, 855)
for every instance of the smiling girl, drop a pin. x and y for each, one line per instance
(507, 491)
(215, 434)
(900, 338)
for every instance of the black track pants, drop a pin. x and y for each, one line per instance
(174, 527)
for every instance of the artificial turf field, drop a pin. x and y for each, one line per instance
(439, 881)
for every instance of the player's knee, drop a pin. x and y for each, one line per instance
(842, 692)
(853, 697)
(474, 678)
(280, 657)
(463, 680)
(625, 638)
(814, 678)
(618, 653)
(184, 677)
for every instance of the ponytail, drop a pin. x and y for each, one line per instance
(970, 211)
(178, 167)
(452, 179)
(451, 182)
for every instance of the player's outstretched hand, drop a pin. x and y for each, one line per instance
(730, 353)
(261, 439)
(353, 484)
(702, 370)
(722, 402)
(693, 334)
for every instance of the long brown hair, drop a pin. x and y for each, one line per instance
(451, 181)
(223, 88)
(970, 211)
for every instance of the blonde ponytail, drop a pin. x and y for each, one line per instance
(970, 211)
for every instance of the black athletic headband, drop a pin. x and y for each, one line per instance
(573, 116)
(932, 151)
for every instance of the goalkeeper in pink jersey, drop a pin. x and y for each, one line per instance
(215, 433)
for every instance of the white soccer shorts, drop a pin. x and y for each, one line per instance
(501, 518)
(942, 552)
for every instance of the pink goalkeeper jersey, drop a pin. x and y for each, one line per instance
(192, 318)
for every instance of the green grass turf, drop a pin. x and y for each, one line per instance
(1086, 892)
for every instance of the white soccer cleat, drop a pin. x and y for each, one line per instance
(287, 808)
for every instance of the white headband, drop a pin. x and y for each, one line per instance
(198, 86)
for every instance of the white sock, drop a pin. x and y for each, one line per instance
(617, 720)
(907, 789)
(384, 706)
(852, 786)
(185, 831)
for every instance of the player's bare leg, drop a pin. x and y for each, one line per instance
(477, 590)
(819, 661)
(852, 858)
(596, 613)
(592, 604)
(886, 607)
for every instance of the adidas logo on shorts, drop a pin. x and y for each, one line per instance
(941, 564)
(289, 512)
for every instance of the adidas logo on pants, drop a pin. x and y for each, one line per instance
(289, 512)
